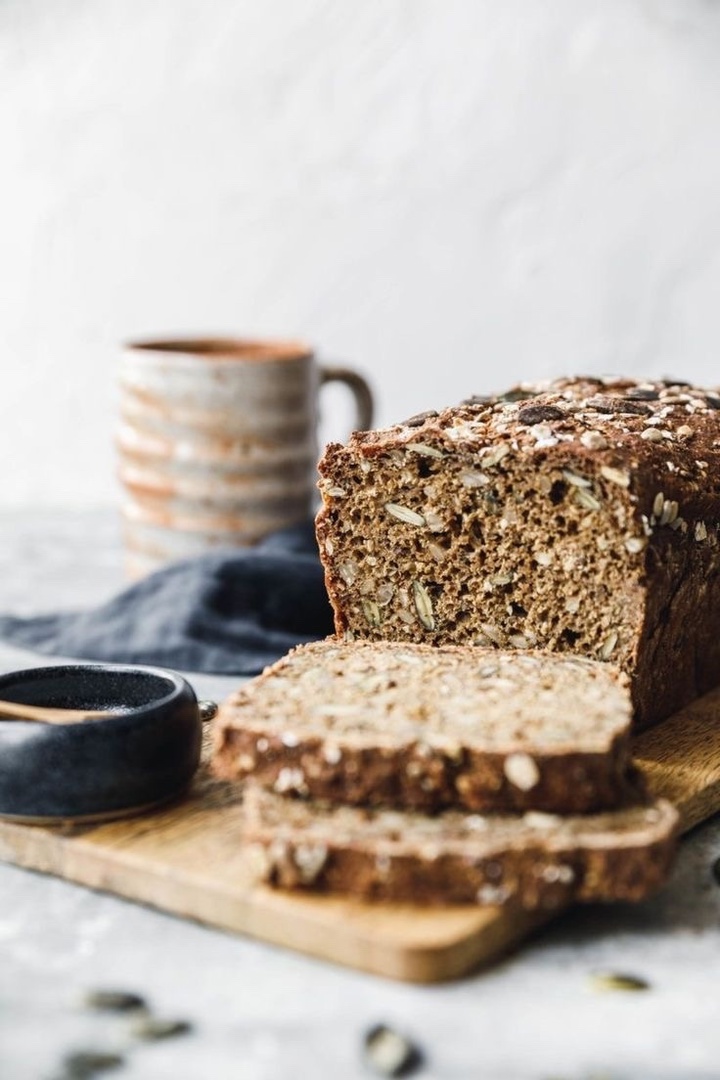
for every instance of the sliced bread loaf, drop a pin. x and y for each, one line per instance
(580, 516)
(412, 726)
(534, 861)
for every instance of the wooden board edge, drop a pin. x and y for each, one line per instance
(475, 937)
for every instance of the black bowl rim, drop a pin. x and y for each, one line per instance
(179, 687)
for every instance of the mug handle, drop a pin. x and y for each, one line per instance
(364, 404)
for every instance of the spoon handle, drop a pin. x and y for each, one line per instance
(13, 710)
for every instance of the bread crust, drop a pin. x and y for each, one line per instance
(624, 855)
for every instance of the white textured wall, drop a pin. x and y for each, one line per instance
(449, 193)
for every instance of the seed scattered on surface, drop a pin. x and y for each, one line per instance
(336, 492)
(651, 434)
(575, 479)
(83, 1064)
(492, 895)
(473, 479)
(669, 512)
(423, 605)
(152, 1028)
(434, 522)
(404, 514)
(558, 874)
(518, 641)
(419, 419)
(611, 403)
(492, 633)
(544, 558)
(684, 431)
(610, 980)
(700, 531)
(643, 393)
(608, 645)
(658, 504)
(425, 450)
(310, 860)
(593, 440)
(522, 771)
(113, 1001)
(635, 544)
(289, 779)
(389, 1053)
(384, 594)
(494, 455)
(586, 499)
(501, 579)
(615, 476)
(332, 754)
(348, 571)
(438, 553)
(543, 433)
(371, 611)
(539, 414)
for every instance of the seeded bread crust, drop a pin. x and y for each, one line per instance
(412, 726)
(578, 516)
(536, 861)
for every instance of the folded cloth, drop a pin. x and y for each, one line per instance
(227, 613)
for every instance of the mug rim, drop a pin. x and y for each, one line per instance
(247, 350)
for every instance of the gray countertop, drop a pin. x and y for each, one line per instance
(261, 1013)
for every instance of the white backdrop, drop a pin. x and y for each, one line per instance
(451, 194)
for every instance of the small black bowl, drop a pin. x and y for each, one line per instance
(100, 768)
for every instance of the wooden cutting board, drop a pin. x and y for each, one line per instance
(186, 859)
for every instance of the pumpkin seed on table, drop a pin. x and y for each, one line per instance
(83, 1064)
(610, 980)
(113, 1001)
(152, 1029)
(389, 1053)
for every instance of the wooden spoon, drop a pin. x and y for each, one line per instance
(13, 710)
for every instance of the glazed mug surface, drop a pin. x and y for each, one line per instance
(218, 443)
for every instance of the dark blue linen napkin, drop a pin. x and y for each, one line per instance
(231, 612)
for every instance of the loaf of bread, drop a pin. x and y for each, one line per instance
(534, 860)
(579, 516)
(412, 726)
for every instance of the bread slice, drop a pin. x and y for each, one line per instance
(581, 516)
(417, 727)
(534, 860)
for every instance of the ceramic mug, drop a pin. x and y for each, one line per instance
(218, 442)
